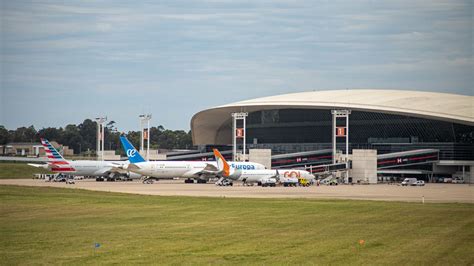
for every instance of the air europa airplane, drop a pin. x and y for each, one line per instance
(170, 169)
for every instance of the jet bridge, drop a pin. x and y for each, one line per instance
(197, 156)
(407, 158)
(328, 168)
(302, 159)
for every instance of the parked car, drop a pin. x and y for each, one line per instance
(458, 180)
(224, 183)
(408, 181)
(418, 183)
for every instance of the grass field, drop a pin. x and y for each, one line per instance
(19, 170)
(58, 226)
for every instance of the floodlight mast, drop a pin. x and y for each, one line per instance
(238, 133)
(100, 137)
(145, 118)
(335, 133)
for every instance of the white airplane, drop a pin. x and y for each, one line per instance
(170, 169)
(109, 169)
(255, 176)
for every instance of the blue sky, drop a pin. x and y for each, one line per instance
(64, 61)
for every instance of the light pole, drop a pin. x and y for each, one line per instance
(145, 118)
(238, 133)
(340, 131)
(100, 137)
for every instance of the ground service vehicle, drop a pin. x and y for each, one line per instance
(268, 182)
(408, 181)
(289, 181)
(304, 182)
(224, 183)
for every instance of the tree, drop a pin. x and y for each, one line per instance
(84, 136)
(4, 135)
(71, 137)
(50, 133)
(24, 134)
(88, 131)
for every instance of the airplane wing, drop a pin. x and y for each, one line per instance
(59, 166)
(132, 166)
(45, 166)
(112, 168)
(277, 176)
(210, 167)
(119, 170)
(209, 171)
(122, 168)
(125, 167)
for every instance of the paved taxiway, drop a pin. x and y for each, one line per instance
(430, 192)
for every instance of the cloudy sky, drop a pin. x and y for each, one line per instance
(64, 61)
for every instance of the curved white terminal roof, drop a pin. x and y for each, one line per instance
(432, 105)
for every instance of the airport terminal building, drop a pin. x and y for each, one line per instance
(413, 132)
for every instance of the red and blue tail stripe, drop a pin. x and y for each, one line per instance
(55, 160)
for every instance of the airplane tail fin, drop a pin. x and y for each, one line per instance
(51, 152)
(222, 164)
(132, 153)
(55, 159)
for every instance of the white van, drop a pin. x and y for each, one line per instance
(409, 181)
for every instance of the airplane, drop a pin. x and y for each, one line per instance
(109, 169)
(201, 171)
(257, 176)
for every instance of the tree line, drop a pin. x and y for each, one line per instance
(83, 137)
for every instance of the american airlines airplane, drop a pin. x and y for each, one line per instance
(109, 169)
(184, 169)
(255, 176)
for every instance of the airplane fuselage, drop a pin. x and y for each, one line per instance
(184, 169)
(257, 175)
(93, 168)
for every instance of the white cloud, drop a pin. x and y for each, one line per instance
(188, 50)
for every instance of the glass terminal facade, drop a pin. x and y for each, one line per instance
(298, 130)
